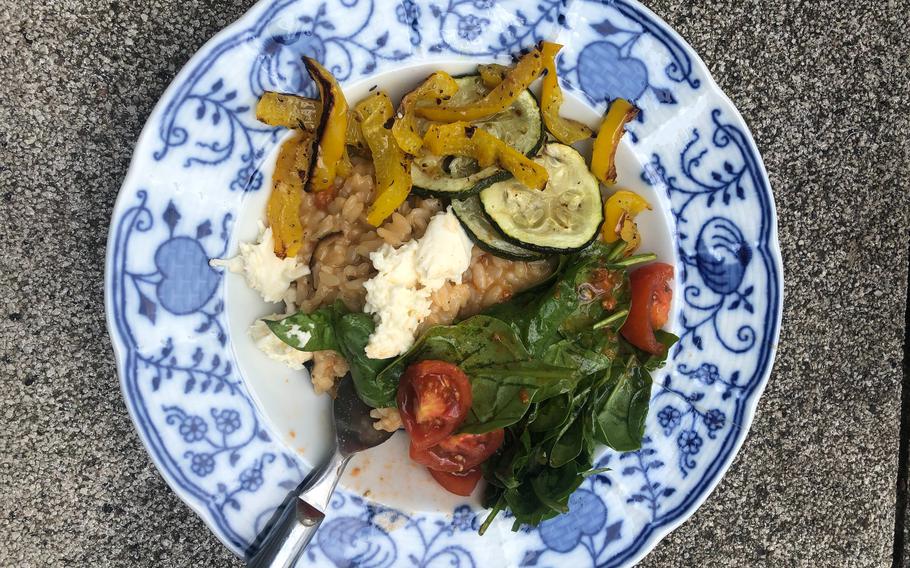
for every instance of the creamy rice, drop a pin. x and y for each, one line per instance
(337, 246)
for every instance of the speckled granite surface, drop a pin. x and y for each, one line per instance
(823, 86)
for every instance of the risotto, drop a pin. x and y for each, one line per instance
(337, 245)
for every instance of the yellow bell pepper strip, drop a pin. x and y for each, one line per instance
(619, 218)
(461, 139)
(353, 136)
(603, 158)
(289, 111)
(565, 130)
(345, 167)
(439, 86)
(333, 124)
(525, 72)
(294, 111)
(393, 175)
(492, 74)
(288, 180)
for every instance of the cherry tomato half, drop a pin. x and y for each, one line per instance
(433, 399)
(460, 452)
(458, 483)
(651, 297)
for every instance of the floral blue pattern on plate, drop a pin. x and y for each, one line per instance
(166, 311)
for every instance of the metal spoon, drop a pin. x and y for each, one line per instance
(296, 520)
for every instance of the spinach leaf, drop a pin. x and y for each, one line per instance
(502, 470)
(653, 362)
(555, 485)
(536, 318)
(310, 332)
(568, 353)
(353, 332)
(502, 393)
(569, 444)
(474, 342)
(552, 414)
(525, 505)
(624, 406)
(504, 382)
(335, 328)
(569, 306)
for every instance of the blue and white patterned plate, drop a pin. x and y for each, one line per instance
(232, 432)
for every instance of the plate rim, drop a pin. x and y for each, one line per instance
(652, 536)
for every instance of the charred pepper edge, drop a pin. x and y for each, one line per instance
(612, 128)
(499, 174)
(440, 86)
(331, 98)
(278, 109)
(519, 78)
(566, 130)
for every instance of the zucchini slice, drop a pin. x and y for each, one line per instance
(470, 212)
(520, 126)
(565, 217)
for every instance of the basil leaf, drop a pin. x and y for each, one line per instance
(335, 328)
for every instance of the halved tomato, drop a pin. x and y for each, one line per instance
(433, 399)
(651, 297)
(460, 452)
(458, 483)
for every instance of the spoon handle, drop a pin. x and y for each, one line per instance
(297, 519)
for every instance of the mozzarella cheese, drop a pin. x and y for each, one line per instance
(395, 300)
(399, 295)
(263, 270)
(268, 343)
(444, 252)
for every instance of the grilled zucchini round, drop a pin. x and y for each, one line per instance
(565, 217)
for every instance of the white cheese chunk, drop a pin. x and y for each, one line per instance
(268, 343)
(399, 295)
(395, 301)
(263, 270)
(444, 252)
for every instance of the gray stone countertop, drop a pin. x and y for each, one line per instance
(824, 86)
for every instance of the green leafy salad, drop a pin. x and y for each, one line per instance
(522, 394)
